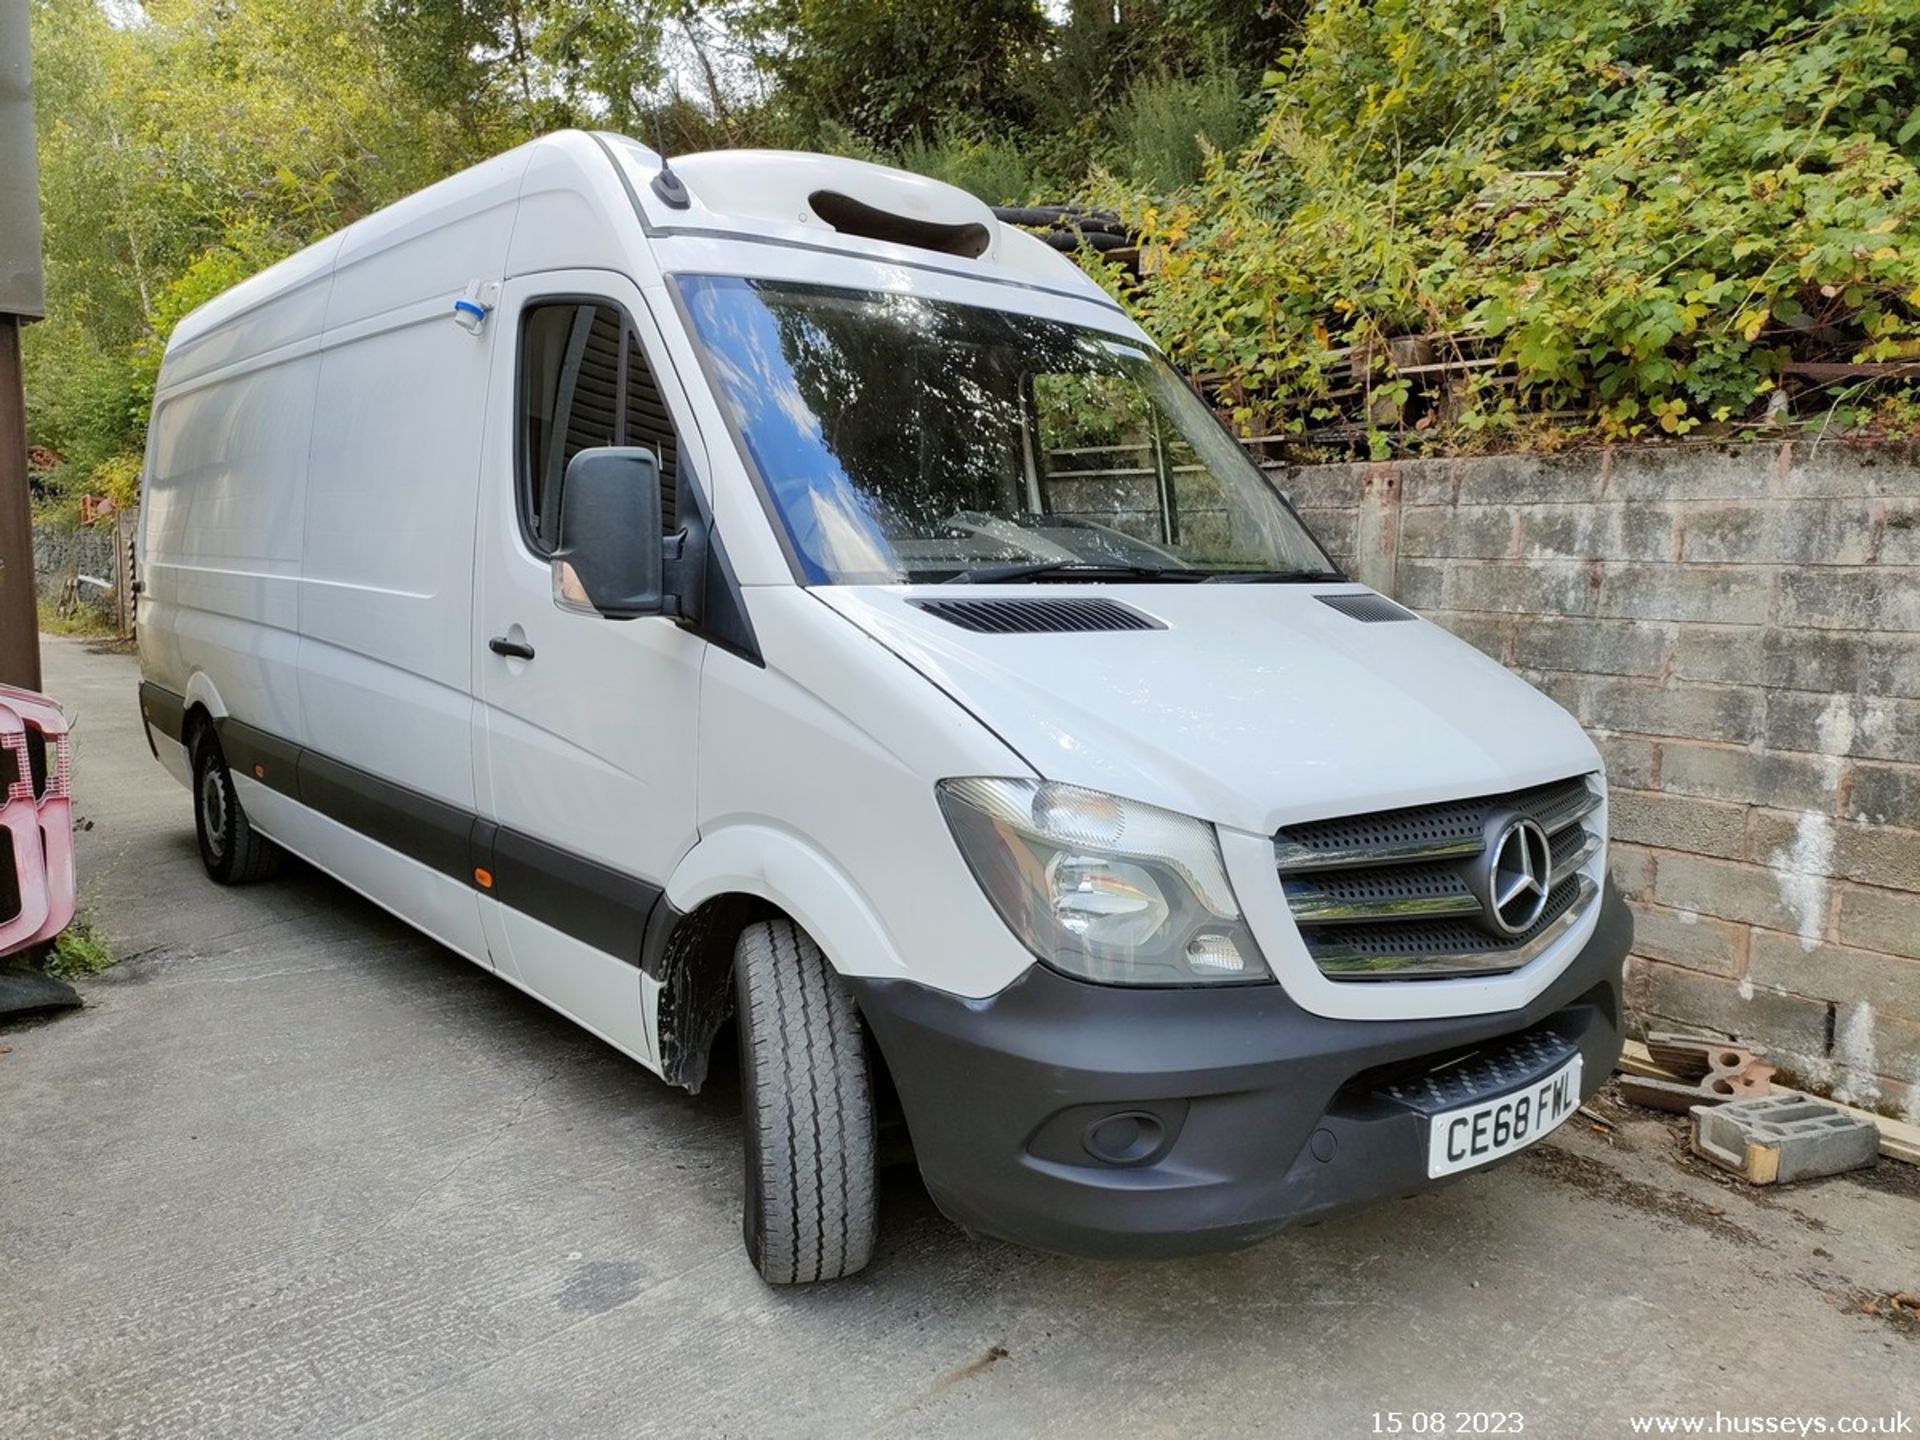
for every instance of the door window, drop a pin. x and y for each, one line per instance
(584, 382)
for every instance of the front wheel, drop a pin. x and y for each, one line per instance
(233, 852)
(808, 1102)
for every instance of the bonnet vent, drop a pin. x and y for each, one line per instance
(855, 217)
(1038, 617)
(1368, 609)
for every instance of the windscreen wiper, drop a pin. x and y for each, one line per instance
(1069, 570)
(1275, 577)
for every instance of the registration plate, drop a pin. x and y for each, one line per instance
(1473, 1135)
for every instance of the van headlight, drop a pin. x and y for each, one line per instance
(1103, 888)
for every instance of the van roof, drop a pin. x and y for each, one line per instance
(821, 202)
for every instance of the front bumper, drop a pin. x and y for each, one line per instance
(1247, 1113)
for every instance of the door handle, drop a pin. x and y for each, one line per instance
(500, 645)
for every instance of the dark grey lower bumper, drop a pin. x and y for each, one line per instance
(1224, 1115)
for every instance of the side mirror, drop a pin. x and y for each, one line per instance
(609, 559)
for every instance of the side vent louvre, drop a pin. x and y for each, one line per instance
(1038, 617)
(1368, 609)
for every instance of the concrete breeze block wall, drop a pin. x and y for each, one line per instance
(1738, 627)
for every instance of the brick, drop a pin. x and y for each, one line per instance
(1871, 726)
(1836, 972)
(1865, 854)
(1731, 890)
(1899, 526)
(1725, 653)
(1696, 712)
(1606, 647)
(1695, 473)
(1486, 633)
(1569, 692)
(1727, 594)
(1883, 597)
(1632, 869)
(1828, 470)
(1553, 587)
(1883, 920)
(1698, 942)
(1677, 822)
(1628, 758)
(1783, 532)
(1474, 531)
(1886, 794)
(1719, 772)
(1892, 665)
(1662, 992)
(1603, 532)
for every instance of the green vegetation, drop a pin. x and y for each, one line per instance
(78, 950)
(1641, 210)
(1631, 216)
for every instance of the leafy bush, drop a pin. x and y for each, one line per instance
(1646, 208)
(1164, 126)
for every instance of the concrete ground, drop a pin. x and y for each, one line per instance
(295, 1170)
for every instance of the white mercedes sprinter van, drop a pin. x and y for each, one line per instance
(771, 589)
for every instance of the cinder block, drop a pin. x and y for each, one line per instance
(1726, 772)
(1570, 478)
(1729, 654)
(1732, 890)
(1883, 920)
(1486, 633)
(1725, 594)
(1602, 647)
(1827, 470)
(1678, 822)
(1655, 473)
(1838, 973)
(1899, 526)
(1774, 1139)
(1781, 1023)
(1880, 855)
(1879, 597)
(1322, 487)
(1333, 529)
(1628, 758)
(1429, 482)
(1421, 584)
(1681, 937)
(1638, 531)
(1556, 587)
(1780, 532)
(1690, 711)
(1886, 793)
(1872, 726)
(1446, 531)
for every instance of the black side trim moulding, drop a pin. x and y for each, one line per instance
(579, 897)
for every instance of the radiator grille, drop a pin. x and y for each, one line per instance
(1403, 894)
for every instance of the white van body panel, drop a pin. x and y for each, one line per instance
(1307, 714)
(837, 822)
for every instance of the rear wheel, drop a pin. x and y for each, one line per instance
(231, 849)
(808, 1101)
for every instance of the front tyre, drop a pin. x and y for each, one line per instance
(233, 852)
(808, 1103)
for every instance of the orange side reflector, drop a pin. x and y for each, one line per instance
(259, 772)
(483, 878)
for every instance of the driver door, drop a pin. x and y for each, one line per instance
(586, 726)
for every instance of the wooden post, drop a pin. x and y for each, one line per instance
(19, 620)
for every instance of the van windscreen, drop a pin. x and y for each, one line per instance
(898, 438)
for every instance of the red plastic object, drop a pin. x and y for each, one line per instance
(36, 816)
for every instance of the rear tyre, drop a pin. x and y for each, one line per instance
(231, 849)
(808, 1103)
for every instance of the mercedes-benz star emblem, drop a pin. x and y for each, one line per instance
(1519, 864)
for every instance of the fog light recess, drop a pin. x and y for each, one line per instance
(1125, 1138)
